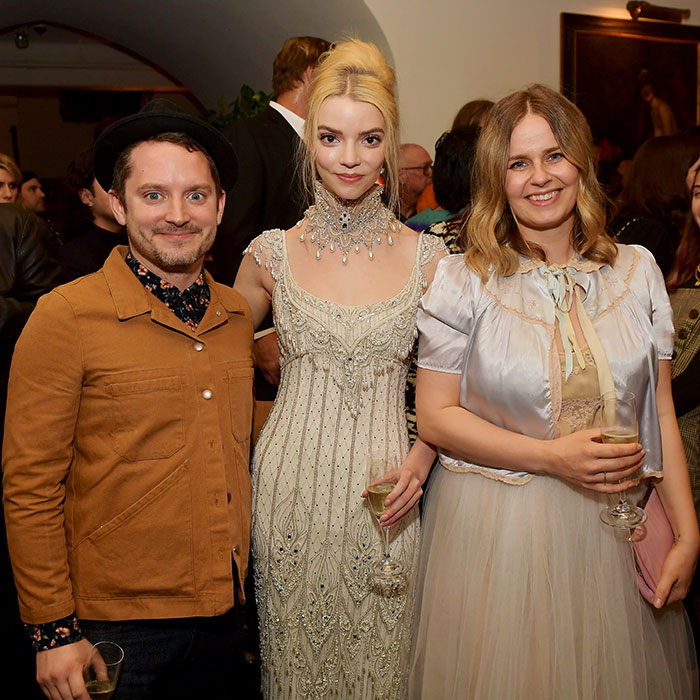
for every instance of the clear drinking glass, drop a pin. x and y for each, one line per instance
(102, 672)
(618, 424)
(387, 577)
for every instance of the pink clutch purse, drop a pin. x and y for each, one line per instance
(652, 542)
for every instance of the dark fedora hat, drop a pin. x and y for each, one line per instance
(158, 117)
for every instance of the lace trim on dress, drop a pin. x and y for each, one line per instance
(488, 472)
(579, 412)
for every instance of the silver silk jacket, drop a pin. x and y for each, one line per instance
(500, 337)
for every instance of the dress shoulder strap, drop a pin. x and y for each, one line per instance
(268, 250)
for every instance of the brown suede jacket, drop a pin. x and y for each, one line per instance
(126, 454)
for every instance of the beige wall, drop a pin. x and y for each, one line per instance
(447, 52)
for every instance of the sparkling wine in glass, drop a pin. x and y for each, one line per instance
(619, 426)
(102, 672)
(387, 577)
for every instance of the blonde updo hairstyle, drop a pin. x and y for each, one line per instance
(493, 237)
(360, 71)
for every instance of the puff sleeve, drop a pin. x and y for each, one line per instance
(445, 317)
(660, 306)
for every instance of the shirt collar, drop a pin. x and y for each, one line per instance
(294, 120)
(189, 305)
(577, 261)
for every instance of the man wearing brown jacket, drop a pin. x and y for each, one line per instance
(126, 485)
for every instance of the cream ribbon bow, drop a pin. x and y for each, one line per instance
(562, 287)
(561, 284)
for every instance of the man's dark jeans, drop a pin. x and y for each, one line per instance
(170, 659)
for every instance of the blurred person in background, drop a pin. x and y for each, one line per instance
(26, 273)
(471, 113)
(265, 196)
(10, 177)
(474, 112)
(684, 291)
(94, 238)
(415, 174)
(454, 156)
(452, 175)
(654, 200)
(31, 193)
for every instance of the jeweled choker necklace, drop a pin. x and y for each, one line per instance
(348, 224)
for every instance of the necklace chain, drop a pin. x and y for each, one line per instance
(348, 225)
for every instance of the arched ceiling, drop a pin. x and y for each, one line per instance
(212, 47)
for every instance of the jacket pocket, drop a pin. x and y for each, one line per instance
(146, 550)
(147, 417)
(240, 393)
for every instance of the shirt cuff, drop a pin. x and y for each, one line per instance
(262, 334)
(50, 635)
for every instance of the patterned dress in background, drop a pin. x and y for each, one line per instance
(684, 370)
(450, 232)
(323, 632)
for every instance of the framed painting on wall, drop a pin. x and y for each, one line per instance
(632, 79)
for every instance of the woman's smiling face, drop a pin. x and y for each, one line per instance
(541, 184)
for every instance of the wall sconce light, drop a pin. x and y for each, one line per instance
(22, 37)
(649, 11)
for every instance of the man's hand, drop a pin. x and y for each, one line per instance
(59, 671)
(267, 357)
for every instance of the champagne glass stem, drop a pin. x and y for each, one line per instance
(385, 535)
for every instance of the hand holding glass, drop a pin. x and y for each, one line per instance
(387, 577)
(619, 425)
(102, 672)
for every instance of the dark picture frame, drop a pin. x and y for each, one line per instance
(630, 78)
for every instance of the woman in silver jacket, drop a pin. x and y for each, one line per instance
(523, 592)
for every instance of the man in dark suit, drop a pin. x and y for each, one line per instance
(266, 194)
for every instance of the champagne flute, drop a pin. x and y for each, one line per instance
(387, 577)
(102, 671)
(619, 426)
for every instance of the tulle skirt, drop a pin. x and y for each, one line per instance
(523, 594)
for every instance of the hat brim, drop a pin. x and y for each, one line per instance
(144, 125)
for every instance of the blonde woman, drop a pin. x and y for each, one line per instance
(523, 592)
(10, 178)
(344, 286)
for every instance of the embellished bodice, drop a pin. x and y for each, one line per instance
(352, 343)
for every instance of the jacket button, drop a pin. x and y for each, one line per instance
(236, 549)
(682, 333)
(228, 498)
(693, 313)
(198, 347)
(206, 394)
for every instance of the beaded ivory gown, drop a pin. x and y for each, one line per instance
(323, 633)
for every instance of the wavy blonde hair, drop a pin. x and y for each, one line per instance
(493, 238)
(7, 163)
(358, 70)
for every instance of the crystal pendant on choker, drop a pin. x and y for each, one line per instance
(346, 225)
